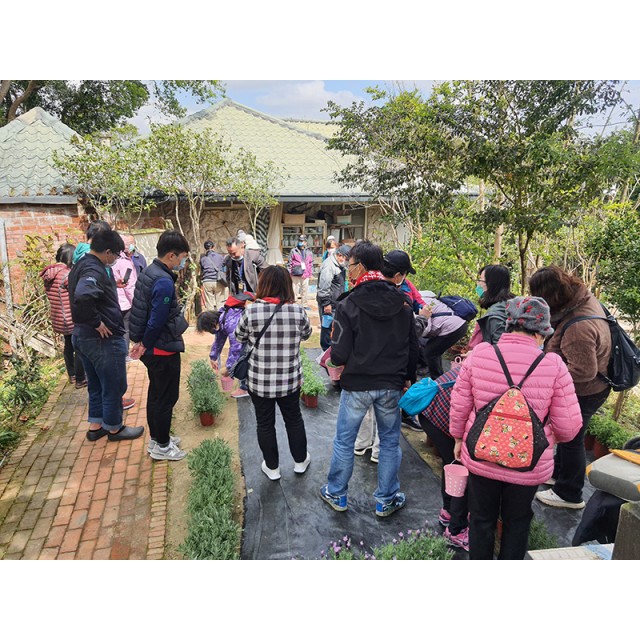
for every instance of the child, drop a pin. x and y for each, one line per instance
(435, 422)
(223, 324)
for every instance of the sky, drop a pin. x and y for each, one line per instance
(306, 99)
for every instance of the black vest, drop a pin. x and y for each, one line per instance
(171, 336)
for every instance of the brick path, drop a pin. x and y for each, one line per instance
(63, 497)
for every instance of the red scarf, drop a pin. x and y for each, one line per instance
(271, 300)
(369, 276)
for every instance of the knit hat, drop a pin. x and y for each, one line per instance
(529, 313)
(344, 249)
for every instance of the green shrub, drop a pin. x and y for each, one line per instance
(212, 533)
(540, 538)
(206, 396)
(608, 432)
(417, 544)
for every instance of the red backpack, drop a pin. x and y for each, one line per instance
(507, 431)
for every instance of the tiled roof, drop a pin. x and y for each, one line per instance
(324, 128)
(26, 154)
(307, 165)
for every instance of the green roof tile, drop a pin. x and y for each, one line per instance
(26, 154)
(302, 155)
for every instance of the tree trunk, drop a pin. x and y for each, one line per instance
(617, 409)
(4, 89)
(32, 87)
(497, 244)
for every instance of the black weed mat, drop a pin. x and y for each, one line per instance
(287, 518)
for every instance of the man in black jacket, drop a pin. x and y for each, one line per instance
(98, 336)
(374, 338)
(156, 326)
(214, 279)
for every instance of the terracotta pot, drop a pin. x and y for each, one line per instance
(310, 401)
(207, 419)
(588, 441)
(599, 450)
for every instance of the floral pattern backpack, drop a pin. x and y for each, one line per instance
(506, 431)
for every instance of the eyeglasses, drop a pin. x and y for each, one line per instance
(353, 264)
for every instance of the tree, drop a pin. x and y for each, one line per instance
(254, 184)
(521, 137)
(89, 106)
(111, 175)
(399, 152)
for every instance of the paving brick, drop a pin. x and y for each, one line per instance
(57, 490)
(39, 500)
(26, 493)
(63, 516)
(101, 491)
(78, 519)
(49, 554)
(83, 500)
(33, 549)
(120, 550)
(67, 556)
(85, 550)
(55, 537)
(49, 507)
(70, 541)
(102, 554)
(44, 484)
(15, 512)
(90, 530)
(29, 519)
(42, 528)
(18, 542)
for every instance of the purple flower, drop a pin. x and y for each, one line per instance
(400, 534)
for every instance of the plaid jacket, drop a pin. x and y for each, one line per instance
(438, 410)
(274, 365)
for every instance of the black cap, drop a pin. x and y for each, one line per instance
(400, 261)
(208, 244)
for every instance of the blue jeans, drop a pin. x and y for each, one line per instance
(352, 409)
(104, 365)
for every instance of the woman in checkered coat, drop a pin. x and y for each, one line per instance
(275, 370)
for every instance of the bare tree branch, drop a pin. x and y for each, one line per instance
(32, 87)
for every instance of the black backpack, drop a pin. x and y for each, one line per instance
(623, 370)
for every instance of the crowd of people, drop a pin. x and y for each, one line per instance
(524, 354)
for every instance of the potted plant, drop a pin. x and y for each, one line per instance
(602, 428)
(207, 400)
(312, 387)
(312, 384)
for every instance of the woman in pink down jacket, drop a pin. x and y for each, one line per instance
(495, 490)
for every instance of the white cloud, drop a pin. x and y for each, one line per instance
(301, 99)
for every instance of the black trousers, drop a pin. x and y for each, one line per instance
(434, 348)
(266, 424)
(457, 507)
(489, 499)
(570, 461)
(72, 361)
(163, 393)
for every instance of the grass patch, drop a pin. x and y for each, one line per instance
(213, 535)
(417, 544)
(24, 388)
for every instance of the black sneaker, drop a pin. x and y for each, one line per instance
(96, 434)
(412, 423)
(126, 433)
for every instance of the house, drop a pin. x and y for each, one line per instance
(33, 199)
(310, 200)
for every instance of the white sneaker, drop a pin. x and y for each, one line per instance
(272, 474)
(361, 452)
(374, 457)
(168, 453)
(153, 443)
(550, 498)
(301, 467)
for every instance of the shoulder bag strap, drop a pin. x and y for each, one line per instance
(255, 344)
